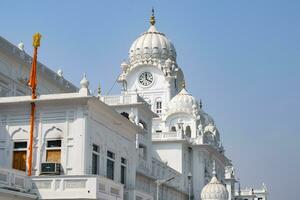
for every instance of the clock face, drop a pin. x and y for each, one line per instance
(146, 78)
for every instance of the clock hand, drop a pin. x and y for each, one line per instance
(147, 78)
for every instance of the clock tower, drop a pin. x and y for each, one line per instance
(152, 70)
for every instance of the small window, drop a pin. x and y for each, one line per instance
(95, 148)
(123, 170)
(53, 151)
(173, 128)
(123, 161)
(110, 165)
(158, 131)
(54, 143)
(110, 155)
(20, 145)
(188, 131)
(158, 107)
(19, 156)
(95, 159)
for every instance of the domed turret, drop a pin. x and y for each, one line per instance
(214, 190)
(183, 102)
(152, 44)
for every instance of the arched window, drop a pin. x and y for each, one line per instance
(125, 114)
(188, 131)
(173, 128)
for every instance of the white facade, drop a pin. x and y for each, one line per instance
(152, 139)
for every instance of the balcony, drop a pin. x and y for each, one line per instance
(14, 183)
(14, 179)
(78, 186)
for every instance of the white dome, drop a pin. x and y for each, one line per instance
(214, 190)
(84, 83)
(183, 102)
(152, 44)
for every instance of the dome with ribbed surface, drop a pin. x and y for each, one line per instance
(214, 190)
(183, 102)
(152, 45)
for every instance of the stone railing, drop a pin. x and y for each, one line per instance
(122, 99)
(167, 136)
(108, 189)
(14, 179)
(78, 186)
(251, 192)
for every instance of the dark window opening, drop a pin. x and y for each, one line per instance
(95, 164)
(173, 128)
(54, 143)
(158, 107)
(188, 131)
(123, 170)
(110, 155)
(110, 169)
(110, 165)
(95, 159)
(20, 145)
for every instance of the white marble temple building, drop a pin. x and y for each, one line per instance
(153, 141)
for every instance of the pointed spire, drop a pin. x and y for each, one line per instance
(99, 90)
(152, 18)
(214, 173)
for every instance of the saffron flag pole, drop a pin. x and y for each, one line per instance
(32, 84)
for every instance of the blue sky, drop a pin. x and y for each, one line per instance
(240, 57)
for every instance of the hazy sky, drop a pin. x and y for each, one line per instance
(242, 58)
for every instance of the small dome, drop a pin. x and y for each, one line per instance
(84, 83)
(183, 102)
(60, 73)
(21, 46)
(152, 44)
(214, 190)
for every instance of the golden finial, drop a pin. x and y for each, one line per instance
(152, 18)
(36, 40)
